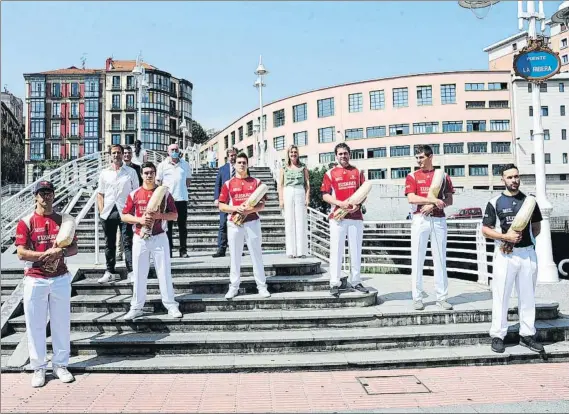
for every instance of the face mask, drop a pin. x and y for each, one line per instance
(175, 154)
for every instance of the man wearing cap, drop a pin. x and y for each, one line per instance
(47, 285)
(175, 173)
(115, 184)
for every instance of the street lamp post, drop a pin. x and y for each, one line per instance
(138, 73)
(257, 146)
(260, 72)
(184, 129)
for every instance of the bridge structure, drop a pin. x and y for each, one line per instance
(300, 327)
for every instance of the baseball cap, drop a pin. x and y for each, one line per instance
(43, 185)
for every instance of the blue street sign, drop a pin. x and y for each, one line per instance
(537, 64)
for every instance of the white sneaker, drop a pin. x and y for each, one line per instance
(264, 292)
(38, 379)
(107, 277)
(130, 277)
(231, 293)
(133, 314)
(175, 313)
(63, 374)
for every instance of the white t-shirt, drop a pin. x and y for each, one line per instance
(140, 159)
(116, 185)
(174, 176)
(211, 156)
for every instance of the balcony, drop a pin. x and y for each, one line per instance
(56, 136)
(115, 128)
(131, 87)
(174, 112)
(74, 136)
(130, 107)
(56, 95)
(75, 95)
(115, 108)
(130, 127)
(57, 116)
(115, 87)
(74, 116)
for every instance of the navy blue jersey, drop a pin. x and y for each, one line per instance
(500, 212)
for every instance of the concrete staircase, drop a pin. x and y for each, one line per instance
(203, 216)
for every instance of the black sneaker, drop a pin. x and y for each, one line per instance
(343, 283)
(531, 344)
(219, 253)
(184, 255)
(361, 288)
(335, 291)
(498, 345)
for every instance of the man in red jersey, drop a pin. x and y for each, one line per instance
(47, 285)
(338, 185)
(234, 193)
(156, 245)
(428, 221)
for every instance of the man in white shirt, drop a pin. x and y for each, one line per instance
(211, 158)
(115, 184)
(175, 173)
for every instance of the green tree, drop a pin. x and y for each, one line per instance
(198, 134)
(316, 176)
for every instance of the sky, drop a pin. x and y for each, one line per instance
(216, 45)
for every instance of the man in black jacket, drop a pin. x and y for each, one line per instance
(225, 173)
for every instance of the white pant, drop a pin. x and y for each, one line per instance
(354, 229)
(520, 267)
(296, 221)
(236, 236)
(39, 296)
(421, 228)
(157, 247)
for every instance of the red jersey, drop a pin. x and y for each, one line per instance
(236, 191)
(342, 183)
(136, 203)
(419, 182)
(38, 233)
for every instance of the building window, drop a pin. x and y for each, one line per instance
(91, 146)
(448, 94)
(116, 139)
(37, 129)
(130, 102)
(226, 141)
(478, 170)
(565, 59)
(299, 113)
(500, 125)
(249, 128)
(543, 87)
(355, 102)
(91, 108)
(452, 126)
(562, 110)
(563, 134)
(544, 111)
(278, 118)
(74, 109)
(454, 148)
(455, 170)
(376, 100)
(37, 151)
(377, 174)
(400, 151)
(477, 147)
(474, 87)
(375, 132)
(497, 169)
(232, 138)
(37, 108)
(497, 86)
(563, 44)
(400, 97)
(250, 151)
(546, 136)
(357, 154)
(279, 143)
(75, 89)
(426, 128)
(264, 122)
(547, 158)
(91, 128)
(325, 107)
(501, 147)
(326, 157)
(434, 147)
(529, 88)
(399, 129)
(424, 95)
(56, 90)
(116, 102)
(300, 139)
(377, 152)
(561, 87)
(55, 130)
(397, 173)
(38, 91)
(116, 82)
(498, 104)
(531, 111)
(355, 133)
(475, 126)
(74, 129)
(533, 158)
(240, 133)
(564, 158)
(56, 109)
(326, 135)
(116, 123)
(475, 104)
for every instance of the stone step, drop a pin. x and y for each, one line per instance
(86, 245)
(195, 232)
(301, 341)
(263, 320)
(424, 357)
(208, 285)
(203, 303)
(12, 274)
(8, 285)
(213, 213)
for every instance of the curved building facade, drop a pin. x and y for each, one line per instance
(465, 116)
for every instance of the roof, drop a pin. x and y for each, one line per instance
(506, 41)
(70, 71)
(127, 65)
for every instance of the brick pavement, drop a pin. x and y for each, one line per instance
(287, 392)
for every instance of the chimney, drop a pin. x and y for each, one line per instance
(109, 64)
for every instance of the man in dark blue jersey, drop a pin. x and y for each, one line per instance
(519, 266)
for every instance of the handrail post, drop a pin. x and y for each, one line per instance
(481, 256)
(96, 231)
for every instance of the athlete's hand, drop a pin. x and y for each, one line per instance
(344, 204)
(281, 204)
(148, 219)
(51, 254)
(216, 202)
(427, 209)
(307, 201)
(241, 209)
(512, 236)
(440, 204)
(353, 208)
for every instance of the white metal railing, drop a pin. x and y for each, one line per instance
(192, 155)
(387, 245)
(9, 189)
(68, 180)
(274, 162)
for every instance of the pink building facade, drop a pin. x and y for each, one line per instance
(465, 116)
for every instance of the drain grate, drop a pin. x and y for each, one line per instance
(393, 384)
